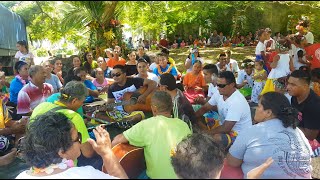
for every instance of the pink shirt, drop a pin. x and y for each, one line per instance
(100, 86)
(31, 96)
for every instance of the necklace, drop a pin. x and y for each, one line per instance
(49, 170)
(167, 71)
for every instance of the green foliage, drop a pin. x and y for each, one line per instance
(42, 52)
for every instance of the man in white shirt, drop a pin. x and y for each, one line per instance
(233, 109)
(231, 63)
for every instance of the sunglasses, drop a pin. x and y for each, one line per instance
(116, 75)
(222, 85)
(79, 138)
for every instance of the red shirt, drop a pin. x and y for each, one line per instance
(164, 43)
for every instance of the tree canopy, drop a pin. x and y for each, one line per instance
(98, 23)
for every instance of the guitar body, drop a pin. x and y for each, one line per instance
(146, 107)
(131, 159)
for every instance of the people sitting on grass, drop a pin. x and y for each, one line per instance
(259, 77)
(52, 155)
(100, 81)
(57, 69)
(276, 135)
(35, 92)
(131, 64)
(164, 67)
(231, 63)
(222, 63)
(232, 107)
(158, 135)
(142, 54)
(194, 83)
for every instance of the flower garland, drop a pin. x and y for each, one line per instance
(167, 71)
(23, 81)
(49, 170)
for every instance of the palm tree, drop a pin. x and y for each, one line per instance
(92, 17)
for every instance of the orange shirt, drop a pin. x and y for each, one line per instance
(316, 88)
(190, 80)
(112, 62)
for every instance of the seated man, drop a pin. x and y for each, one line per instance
(158, 135)
(35, 92)
(233, 109)
(306, 101)
(164, 67)
(71, 98)
(123, 84)
(182, 108)
(10, 132)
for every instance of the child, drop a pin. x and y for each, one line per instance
(245, 78)
(281, 66)
(100, 81)
(261, 48)
(194, 83)
(299, 57)
(259, 77)
(270, 48)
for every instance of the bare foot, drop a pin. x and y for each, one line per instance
(8, 158)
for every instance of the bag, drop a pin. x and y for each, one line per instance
(191, 94)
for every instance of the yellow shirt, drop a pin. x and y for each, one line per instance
(259, 73)
(4, 115)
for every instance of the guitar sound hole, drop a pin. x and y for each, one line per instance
(136, 95)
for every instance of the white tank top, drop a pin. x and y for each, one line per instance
(282, 69)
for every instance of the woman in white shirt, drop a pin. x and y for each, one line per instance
(23, 53)
(52, 144)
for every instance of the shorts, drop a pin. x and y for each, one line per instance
(228, 139)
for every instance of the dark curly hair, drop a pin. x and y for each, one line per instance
(281, 108)
(198, 157)
(45, 137)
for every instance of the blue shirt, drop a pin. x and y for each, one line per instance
(55, 97)
(15, 86)
(173, 70)
(90, 85)
(107, 73)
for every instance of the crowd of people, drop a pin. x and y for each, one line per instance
(201, 124)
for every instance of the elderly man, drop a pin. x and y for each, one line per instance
(35, 92)
(215, 39)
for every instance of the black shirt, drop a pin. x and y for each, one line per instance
(131, 70)
(132, 84)
(146, 57)
(310, 112)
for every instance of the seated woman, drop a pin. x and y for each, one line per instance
(100, 81)
(164, 67)
(52, 155)
(51, 78)
(131, 64)
(194, 83)
(142, 68)
(93, 92)
(276, 135)
(76, 62)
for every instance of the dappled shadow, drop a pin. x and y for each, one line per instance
(209, 55)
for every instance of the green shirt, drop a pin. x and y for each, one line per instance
(75, 118)
(158, 136)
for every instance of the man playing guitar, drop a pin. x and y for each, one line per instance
(123, 84)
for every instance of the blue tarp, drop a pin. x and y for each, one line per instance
(12, 29)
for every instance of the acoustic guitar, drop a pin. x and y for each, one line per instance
(131, 159)
(145, 107)
(129, 103)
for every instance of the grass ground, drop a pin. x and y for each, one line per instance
(209, 54)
